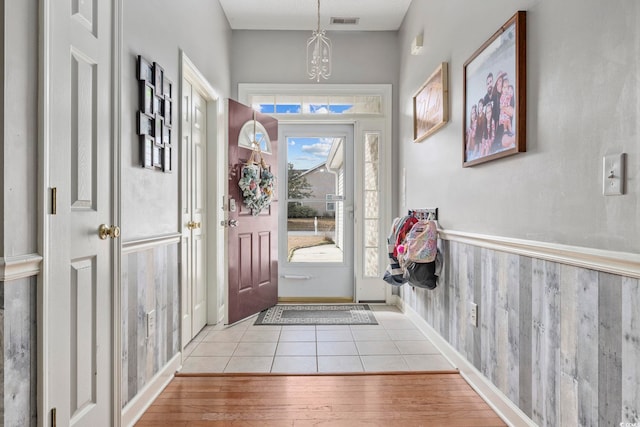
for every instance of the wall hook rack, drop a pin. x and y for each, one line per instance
(426, 213)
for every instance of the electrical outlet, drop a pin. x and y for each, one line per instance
(151, 323)
(473, 314)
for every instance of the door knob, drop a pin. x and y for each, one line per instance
(192, 225)
(104, 231)
(229, 223)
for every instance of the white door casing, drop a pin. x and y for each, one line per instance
(199, 132)
(194, 272)
(77, 371)
(368, 287)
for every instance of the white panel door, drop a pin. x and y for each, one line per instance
(78, 278)
(186, 276)
(198, 214)
(194, 272)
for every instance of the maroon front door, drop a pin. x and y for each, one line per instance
(253, 239)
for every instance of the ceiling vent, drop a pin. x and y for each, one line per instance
(344, 21)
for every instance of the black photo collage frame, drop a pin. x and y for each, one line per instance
(154, 121)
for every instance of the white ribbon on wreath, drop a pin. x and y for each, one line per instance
(256, 180)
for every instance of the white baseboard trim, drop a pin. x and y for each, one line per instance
(394, 300)
(497, 400)
(621, 263)
(145, 397)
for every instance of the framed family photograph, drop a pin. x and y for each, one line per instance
(494, 116)
(431, 104)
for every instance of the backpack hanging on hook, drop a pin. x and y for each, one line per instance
(419, 254)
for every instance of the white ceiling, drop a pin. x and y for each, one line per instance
(375, 15)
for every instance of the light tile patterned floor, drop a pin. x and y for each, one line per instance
(395, 344)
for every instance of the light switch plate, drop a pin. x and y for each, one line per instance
(613, 174)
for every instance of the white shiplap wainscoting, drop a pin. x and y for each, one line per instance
(18, 350)
(18, 332)
(558, 334)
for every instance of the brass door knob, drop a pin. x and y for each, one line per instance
(104, 231)
(191, 225)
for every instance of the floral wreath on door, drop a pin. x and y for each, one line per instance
(256, 180)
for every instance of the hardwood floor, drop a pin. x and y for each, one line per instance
(381, 399)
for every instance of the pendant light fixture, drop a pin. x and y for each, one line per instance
(318, 53)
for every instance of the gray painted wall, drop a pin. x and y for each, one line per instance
(562, 342)
(19, 139)
(158, 30)
(551, 193)
(583, 102)
(18, 207)
(280, 57)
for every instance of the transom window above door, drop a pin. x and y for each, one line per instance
(317, 104)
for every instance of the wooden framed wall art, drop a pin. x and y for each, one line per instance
(495, 95)
(431, 104)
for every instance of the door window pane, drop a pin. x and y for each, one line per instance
(371, 232)
(314, 199)
(371, 262)
(371, 204)
(371, 207)
(371, 149)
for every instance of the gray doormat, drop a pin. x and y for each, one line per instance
(317, 314)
